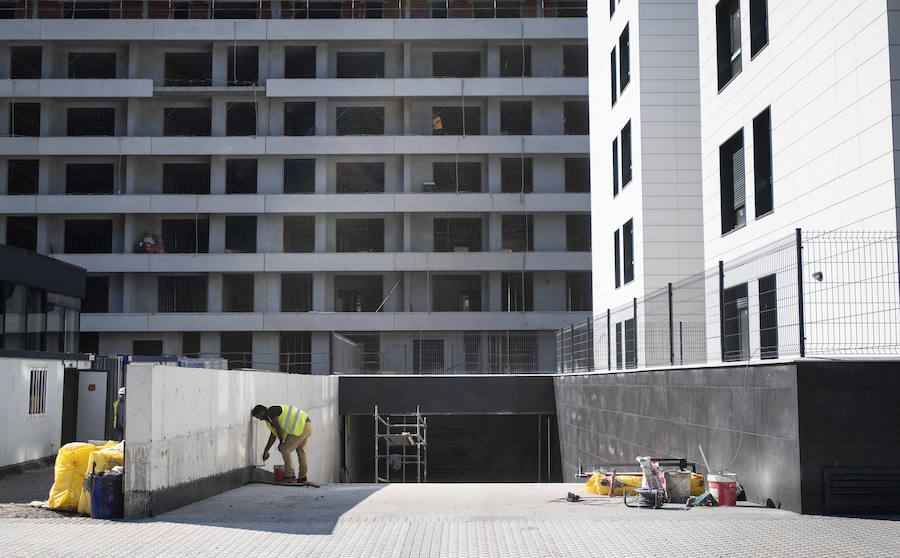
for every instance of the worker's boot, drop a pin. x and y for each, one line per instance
(302, 480)
(289, 480)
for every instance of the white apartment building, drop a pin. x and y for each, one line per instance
(316, 186)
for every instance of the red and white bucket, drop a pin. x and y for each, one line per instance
(723, 487)
(279, 473)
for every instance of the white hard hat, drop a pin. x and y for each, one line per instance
(121, 391)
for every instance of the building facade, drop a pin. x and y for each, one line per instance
(298, 185)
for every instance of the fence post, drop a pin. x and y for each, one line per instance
(671, 330)
(608, 341)
(681, 341)
(802, 329)
(635, 334)
(722, 309)
(571, 347)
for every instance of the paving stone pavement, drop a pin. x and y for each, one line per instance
(448, 520)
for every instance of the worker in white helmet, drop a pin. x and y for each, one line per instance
(119, 416)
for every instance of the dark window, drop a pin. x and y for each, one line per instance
(762, 162)
(374, 9)
(300, 119)
(456, 234)
(628, 252)
(517, 233)
(96, 295)
(759, 25)
(456, 177)
(359, 121)
(630, 341)
(322, 10)
(299, 62)
(626, 155)
(768, 317)
(571, 8)
(456, 293)
(25, 119)
(240, 234)
(728, 40)
(619, 357)
(575, 60)
(731, 177)
(359, 178)
(578, 292)
(88, 236)
(147, 347)
(182, 293)
(190, 344)
(296, 292)
(89, 178)
(516, 175)
(617, 257)
(89, 342)
(295, 352)
(299, 233)
(456, 64)
(240, 119)
(575, 118)
(22, 176)
(736, 322)
(25, 62)
(243, 65)
(578, 174)
(614, 91)
(449, 121)
(235, 10)
(237, 346)
(612, 7)
(181, 10)
(186, 236)
(21, 232)
(615, 166)
(515, 61)
(578, 232)
(85, 10)
(428, 356)
(240, 176)
(299, 176)
(439, 9)
(188, 69)
(186, 178)
(237, 292)
(624, 60)
(357, 293)
(359, 235)
(360, 65)
(515, 118)
(92, 65)
(187, 121)
(517, 292)
(94, 121)
(369, 350)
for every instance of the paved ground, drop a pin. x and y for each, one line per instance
(31, 484)
(446, 520)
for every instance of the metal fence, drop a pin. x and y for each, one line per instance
(830, 293)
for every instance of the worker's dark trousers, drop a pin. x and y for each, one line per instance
(118, 433)
(296, 444)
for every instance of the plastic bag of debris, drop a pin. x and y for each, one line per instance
(98, 462)
(69, 471)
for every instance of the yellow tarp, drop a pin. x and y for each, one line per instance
(626, 484)
(69, 472)
(99, 461)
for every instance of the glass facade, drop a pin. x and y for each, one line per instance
(35, 320)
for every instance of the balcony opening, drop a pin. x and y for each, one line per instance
(85, 10)
(21, 232)
(517, 233)
(517, 292)
(243, 65)
(456, 177)
(295, 352)
(299, 62)
(300, 119)
(88, 236)
(359, 178)
(575, 118)
(516, 175)
(90, 178)
(578, 292)
(25, 62)
(299, 176)
(456, 293)
(240, 119)
(357, 293)
(182, 293)
(578, 232)
(449, 121)
(188, 69)
(237, 348)
(91, 121)
(186, 236)
(456, 64)
(240, 234)
(22, 176)
(428, 356)
(575, 61)
(515, 352)
(147, 347)
(570, 8)
(359, 121)
(357, 64)
(515, 61)
(359, 235)
(369, 345)
(515, 118)
(92, 65)
(237, 292)
(186, 178)
(25, 119)
(187, 121)
(235, 10)
(296, 292)
(321, 10)
(240, 176)
(190, 344)
(299, 234)
(457, 234)
(578, 175)
(96, 295)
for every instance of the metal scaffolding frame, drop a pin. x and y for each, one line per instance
(404, 435)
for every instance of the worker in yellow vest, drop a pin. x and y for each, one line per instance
(119, 416)
(292, 428)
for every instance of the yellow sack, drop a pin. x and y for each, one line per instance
(99, 461)
(71, 464)
(599, 484)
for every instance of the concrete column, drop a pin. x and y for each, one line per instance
(495, 176)
(275, 118)
(216, 175)
(220, 65)
(214, 293)
(260, 291)
(264, 60)
(320, 302)
(493, 116)
(132, 107)
(492, 60)
(407, 117)
(262, 116)
(270, 233)
(210, 343)
(322, 69)
(216, 234)
(133, 60)
(272, 293)
(321, 232)
(130, 232)
(322, 175)
(493, 302)
(320, 346)
(321, 117)
(42, 241)
(407, 59)
(407, 232)
(495, 237)
(407, 294)
(128, 288)
(265, 350)
(219, 109)
(43, 176)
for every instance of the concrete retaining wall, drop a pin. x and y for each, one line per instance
(189, 434)
(23, 436)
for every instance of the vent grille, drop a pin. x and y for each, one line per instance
(862, 489)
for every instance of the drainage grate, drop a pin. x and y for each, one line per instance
(864, 489)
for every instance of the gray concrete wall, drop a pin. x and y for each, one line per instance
(189, 432)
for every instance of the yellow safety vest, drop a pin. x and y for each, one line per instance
(292, 421)
(115, 412)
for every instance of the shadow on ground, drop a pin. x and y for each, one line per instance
(26, 484)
